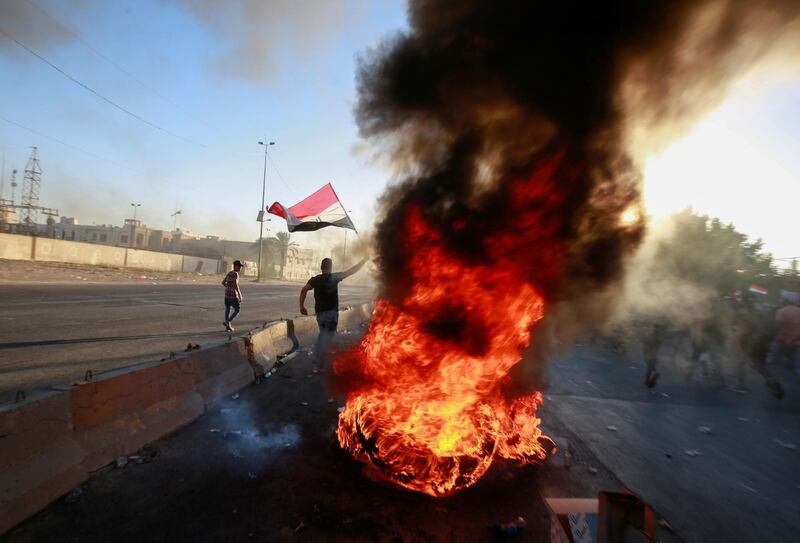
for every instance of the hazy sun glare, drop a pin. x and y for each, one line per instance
(727, 168)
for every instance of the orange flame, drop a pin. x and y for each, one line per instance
(430, 410)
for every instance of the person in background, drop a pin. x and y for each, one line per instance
(786, 346)
(326, 301)
(233, 295)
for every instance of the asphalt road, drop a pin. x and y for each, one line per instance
(54, 333)
(738, 483)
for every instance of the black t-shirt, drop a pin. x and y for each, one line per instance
(326, 291)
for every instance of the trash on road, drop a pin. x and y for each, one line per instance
(705, 430)
(121, 462)
(611, 428)
(304, 404)
(340, 409)
(74, 495)
(330, 400)
(750, 488)
(592, 470)
(235, 397)
(224, 410)
(300, 527)
(509, 528)
(743, 419)
(692, 452)
(215, 430)
(790, 446)
(251, 474)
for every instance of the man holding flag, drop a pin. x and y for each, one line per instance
(326, 301)
(319, 210)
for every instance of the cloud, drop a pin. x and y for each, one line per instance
(253, 33)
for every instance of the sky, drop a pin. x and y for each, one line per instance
(217, 77)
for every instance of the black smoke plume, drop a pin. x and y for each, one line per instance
(478, 95)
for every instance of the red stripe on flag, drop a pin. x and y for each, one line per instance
(316, 203)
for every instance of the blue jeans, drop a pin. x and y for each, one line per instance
(327, 322)
(232, 303)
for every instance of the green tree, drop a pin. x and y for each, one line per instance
(709, 253)
(283, 248)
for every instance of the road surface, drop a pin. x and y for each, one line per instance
(54, 333)
(718, 464)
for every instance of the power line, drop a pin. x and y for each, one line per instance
(102, 97)
(110, 61)
(285, 184)
(65, 144)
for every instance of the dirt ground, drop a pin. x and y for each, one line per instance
(264, 465)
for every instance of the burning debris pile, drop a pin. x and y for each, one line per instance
(509, 120)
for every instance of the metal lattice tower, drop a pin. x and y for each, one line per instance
(31, 185)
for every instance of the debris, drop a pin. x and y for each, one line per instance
(224, 410)
(611, 428)
(330, 400)
(668, 455)
(750, 488)
(235, 397)
(340, 409)
(665, 394)
(300, 527)
(666, 525)
(743, 419)
(237, 454)
(215, 430)
(509, 528)
(268, 374)
(122, 461)
(592, 470)
(74, 495)
(304, 404)
(790, 446)
(196, 346)
(705, 430)
(251, 474)
(692, 452)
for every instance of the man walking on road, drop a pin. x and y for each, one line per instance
(233, 295)
(326, 301)
(786, 346)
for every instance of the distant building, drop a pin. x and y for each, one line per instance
(299, 264)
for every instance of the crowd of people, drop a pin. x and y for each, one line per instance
(740, 329)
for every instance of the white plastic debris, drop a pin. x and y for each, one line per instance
(665, 394)
(790, 446)
(251, 474)
(235, 397)
(215, 430)
(592, 470)
(692, 452)
(304, 404)
(122, 461)
(611, 428)
(746, 487)
(743, 419)
(225, 410)
(340, 409)
(705, 430)
(330, 400)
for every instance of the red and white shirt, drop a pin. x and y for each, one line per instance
(231, 284)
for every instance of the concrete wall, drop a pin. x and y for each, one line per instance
(51, 443)
(56, 250)
(15, 247)
(148, 260)
(200, 265)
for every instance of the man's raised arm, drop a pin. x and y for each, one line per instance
(354, 269)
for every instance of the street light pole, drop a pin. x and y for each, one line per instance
(262, 211)
(132, 242)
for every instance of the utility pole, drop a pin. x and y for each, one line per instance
(31, 185)
(132, 241)
(262, 210)
(175, 220)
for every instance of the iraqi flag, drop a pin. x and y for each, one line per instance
(319, 210)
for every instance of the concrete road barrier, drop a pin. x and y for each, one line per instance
(122, 411)
(50, 444)
(40, 458)
(266, 345)
(221, 370)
